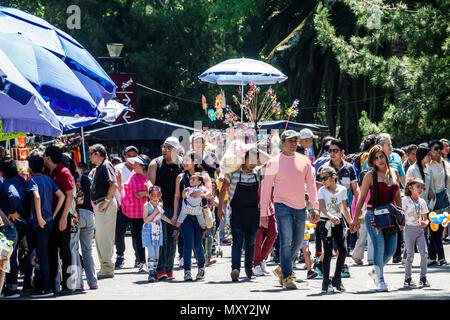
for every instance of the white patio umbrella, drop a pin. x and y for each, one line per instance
(242, 72)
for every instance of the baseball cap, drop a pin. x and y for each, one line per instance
(130, 148)
(137, 159)
(172, 141)
(287, 134)
(306, 133)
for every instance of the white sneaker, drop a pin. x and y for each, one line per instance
(373, 275)
(258, 271)
(264, 267)
(382, 287)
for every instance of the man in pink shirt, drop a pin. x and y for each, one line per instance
(288, 174)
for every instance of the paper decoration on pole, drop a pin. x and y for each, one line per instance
(204, 104)
(212, 115)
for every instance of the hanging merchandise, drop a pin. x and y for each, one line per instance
(212, 115)
(219, 107)
(204, 104)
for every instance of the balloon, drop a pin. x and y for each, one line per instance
(434, 226)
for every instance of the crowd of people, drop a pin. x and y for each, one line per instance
(182, 200)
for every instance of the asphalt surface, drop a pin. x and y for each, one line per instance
(129, 284)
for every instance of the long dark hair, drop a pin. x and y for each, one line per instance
(324, 147)
(422, 152)
(371, 163)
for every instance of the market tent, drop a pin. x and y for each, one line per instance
(146, 134)
(281, 125)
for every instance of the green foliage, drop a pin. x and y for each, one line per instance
(407, 51)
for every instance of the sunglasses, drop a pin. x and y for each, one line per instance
(324, 178)
(168, 148)
(437, 148)
(333, 150)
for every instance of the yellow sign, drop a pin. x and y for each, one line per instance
(8, 136)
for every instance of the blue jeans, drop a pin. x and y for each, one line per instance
(42, 239)
(192, 235)
(243, 236)
(11, 277)
(167, 250)
(291, 231)
(383, 249)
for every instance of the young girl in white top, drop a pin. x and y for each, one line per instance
(332, 205)
(416, 211)
(152, 236)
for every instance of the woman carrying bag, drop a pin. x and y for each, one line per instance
(383, 184)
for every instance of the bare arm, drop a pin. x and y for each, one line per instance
(346, 212)
(176, 199)
(366, 185)
(222, 194)
(151, 173)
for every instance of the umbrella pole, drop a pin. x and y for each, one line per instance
(242, 103)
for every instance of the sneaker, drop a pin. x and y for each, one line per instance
(41, 293)
(200, 274)
(397, 259)
(136, 263)
(120, 260)
(409, 283)
(431, 262)
(258, 271)
(162, 275)
(142, 267)
(152, 276)
(311, 274)
(264, 267)
(403, 261)
(373, 275)
(327, 287)
(95, 287)
(382, 287)
(170, 275)
(250, 274)
(318, 267)
(345, 272)
(225, 242)
(235, 275)
(301, 257)
(442, 262)
(357, 261)
(11, 294)
(210, 261)
(424, 282)
(279, 274)
(181, 262)
(338, 285)
(101, 275)
(187, 275)
(289, 283)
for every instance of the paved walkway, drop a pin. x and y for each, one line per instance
(128, 284)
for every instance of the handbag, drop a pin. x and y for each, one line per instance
(389, 215)
(208, 217)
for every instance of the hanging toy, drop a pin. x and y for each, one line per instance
(212, 115)
(309, 229)
(204, 104)
(438, 219)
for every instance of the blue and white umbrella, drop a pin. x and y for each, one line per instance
(50, 76)
(47, 36)
(22, 109)
(242, 72)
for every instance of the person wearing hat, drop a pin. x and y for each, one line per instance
(306, 140)
(123, 171)
(163, 171)
(288, 173)
(133, 196)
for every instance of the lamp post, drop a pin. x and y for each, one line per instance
(113, 63)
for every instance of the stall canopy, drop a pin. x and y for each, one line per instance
(281, 125)
(142, 129)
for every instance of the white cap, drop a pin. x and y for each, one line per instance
(172, 141)
(306, 133)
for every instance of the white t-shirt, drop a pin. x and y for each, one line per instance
(414, 211)
(125, 174)
(333, 201)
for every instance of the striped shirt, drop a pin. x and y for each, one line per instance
(233, 179)
(131, 206)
